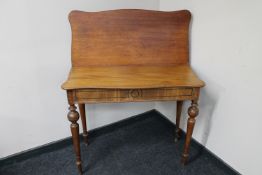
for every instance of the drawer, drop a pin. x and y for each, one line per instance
(129, 95)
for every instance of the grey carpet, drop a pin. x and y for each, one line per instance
(141, 145)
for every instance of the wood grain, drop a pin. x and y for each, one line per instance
(129, 37)
(73, 117)
(133, 95)
(192, 112)
(130, 56)
(126, 77)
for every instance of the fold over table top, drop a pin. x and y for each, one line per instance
(131, 77)
(129, 49)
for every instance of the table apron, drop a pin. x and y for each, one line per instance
(134, 95)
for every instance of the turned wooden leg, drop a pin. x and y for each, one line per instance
(83, 119)
(178, 116)
(192, 112)
(73, 116)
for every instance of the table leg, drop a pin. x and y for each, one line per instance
(83, 119)
(178, 116)
(192, 112)
(73, 117)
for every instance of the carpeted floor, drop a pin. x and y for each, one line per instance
(141, 145)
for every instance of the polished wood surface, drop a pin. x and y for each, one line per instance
(73, 117)
(130, 56)
(134, 95)
(129, 37)
(124, 77)
(192, 112)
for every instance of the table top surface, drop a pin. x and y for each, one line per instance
(131, 77)
(130, 49)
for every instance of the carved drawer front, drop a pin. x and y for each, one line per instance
(128, 95)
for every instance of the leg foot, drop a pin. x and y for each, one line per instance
(192, 112)
(184, 159)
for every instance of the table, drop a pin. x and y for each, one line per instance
(130, 56)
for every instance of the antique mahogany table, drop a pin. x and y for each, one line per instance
(130, 56)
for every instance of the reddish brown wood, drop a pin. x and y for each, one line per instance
(73, 117)
(133, 95)
(83, 119)
(129, 37)
(178, 116)
(132, 77)
(130, 55)
(192, 112)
